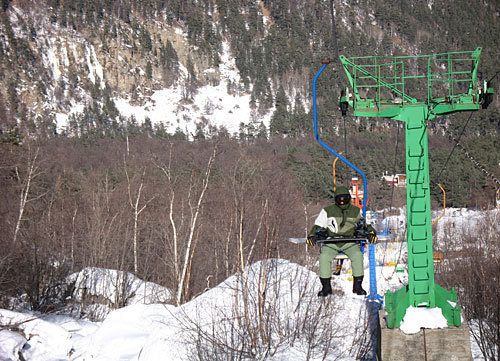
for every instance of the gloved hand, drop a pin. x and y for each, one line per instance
(311, 240)
(372, 236)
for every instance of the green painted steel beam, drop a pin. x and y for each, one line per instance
(421, 290)
(346, 63)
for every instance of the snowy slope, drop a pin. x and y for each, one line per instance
(165, 332)
(273, 303)
(160, 331)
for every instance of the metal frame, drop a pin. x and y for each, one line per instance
(448, 83)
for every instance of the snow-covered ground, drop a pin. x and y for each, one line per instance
(273, 303)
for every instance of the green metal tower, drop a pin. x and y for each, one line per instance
(444, 83)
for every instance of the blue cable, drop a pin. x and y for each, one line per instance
(315, 114)
(373, 296)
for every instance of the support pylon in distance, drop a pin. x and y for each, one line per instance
(416, 90)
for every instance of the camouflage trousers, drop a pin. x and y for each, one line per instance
(331, 250)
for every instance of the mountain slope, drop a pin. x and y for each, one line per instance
(103, 59)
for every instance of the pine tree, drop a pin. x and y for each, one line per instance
(147, 127)
(5, 4)
(145, 40)
(299, 124)
(179, 134)
(149, 70)
(160, 131)
(169, 63)
(280, 120)
(191, 82)
(12, 96)
(194, 23)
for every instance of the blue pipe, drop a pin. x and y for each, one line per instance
(315, 114)
(373, 296)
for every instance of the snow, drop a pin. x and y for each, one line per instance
(47, 340)
(178, 30)
(112, 288)
(211, 103)
(62, 118)
(217, 107)
(53, 63)
(161, 331)
(10, 344)
(422, 317)
(96, 73)
(124, 332)
(148, 328)
(116, 286)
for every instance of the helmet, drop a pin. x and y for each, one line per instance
(342, 196)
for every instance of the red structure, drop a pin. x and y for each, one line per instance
(357, 193)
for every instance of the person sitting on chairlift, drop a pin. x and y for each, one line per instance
(340, 219)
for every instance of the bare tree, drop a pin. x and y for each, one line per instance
(262, 325)
(473, 267)
(137, 209)
(101, 213)
(219, 197)
(195, 212)
(25, 182)
(194, 198)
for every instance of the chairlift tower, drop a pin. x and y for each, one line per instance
(388, 87)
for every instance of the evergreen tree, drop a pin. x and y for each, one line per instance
(160, 131)
(5, 4)
(145, 40)
(147, 127)
(12, 96)
(191, 82)
(169, 63)
(200, 130)
(280, 120)
(262, 131)
(179, 134)
(149, 70)
(194, 23)
(299, 124)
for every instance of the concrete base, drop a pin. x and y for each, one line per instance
(447, 344)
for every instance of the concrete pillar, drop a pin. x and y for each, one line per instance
(446, 344)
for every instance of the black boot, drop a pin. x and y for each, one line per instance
(327, 287)
(357, 288)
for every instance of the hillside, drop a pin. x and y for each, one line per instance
(225, 323)
(113, 59)
(239, 69)
(172, 141)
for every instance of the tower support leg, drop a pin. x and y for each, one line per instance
(421, 290)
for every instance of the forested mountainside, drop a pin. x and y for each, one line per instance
(66, 64)
(87, 182)
(58, 53)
